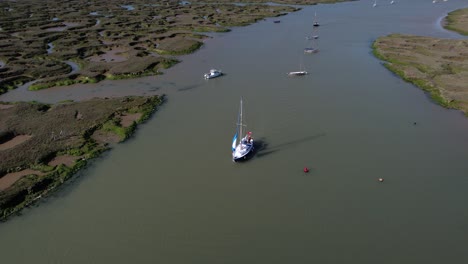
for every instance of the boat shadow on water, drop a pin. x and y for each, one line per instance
(262, 148)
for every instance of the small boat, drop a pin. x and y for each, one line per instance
(277, 21)
(312, 37)
(213, 74)
(297, 73)
(375, 3)
(300, 72)
(316, 23)
(311, 50)
(242, 147)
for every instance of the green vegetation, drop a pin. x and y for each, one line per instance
(179, 48)
(169, 28)
(68, 128)
(437, 66)
(458, 21)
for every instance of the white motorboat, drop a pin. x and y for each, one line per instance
(213, 74)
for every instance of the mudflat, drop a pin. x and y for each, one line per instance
(111, 39)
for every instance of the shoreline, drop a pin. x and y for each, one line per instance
(457, 21)
(34, 165)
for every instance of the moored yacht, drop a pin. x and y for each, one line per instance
(213, 74)
(297, 73)
(242, 145)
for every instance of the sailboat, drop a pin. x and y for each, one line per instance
(313, 46)
(300, 72)
(241, 145)
(314, 34)
(316, 23)
(297, 73)
(311, 50)
(375, 3)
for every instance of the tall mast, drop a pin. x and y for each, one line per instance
(240, 121)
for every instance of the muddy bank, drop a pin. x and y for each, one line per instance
(44, 145)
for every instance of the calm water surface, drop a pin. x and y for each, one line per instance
(172, 194)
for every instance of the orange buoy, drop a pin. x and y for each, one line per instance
(306, 169)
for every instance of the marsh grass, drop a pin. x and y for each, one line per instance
(457, 21)
(77, 140)
(400, 63)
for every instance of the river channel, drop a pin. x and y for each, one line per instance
(171, 194)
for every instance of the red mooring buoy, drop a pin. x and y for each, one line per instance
(306, 169)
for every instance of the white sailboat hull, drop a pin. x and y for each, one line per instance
(310, 50)
(297, 73)
(242, 150)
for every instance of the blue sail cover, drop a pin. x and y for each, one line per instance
(234, 140)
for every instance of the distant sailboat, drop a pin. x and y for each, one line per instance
(313, 36)
(392, 2)
(313, 46)
(241, 146)
(375, 3)
(297, 73)
(316, 23)
(300, 72)
(310, 50)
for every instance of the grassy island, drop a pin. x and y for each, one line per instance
(438, 66)
(41, 146)
(458, 21)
